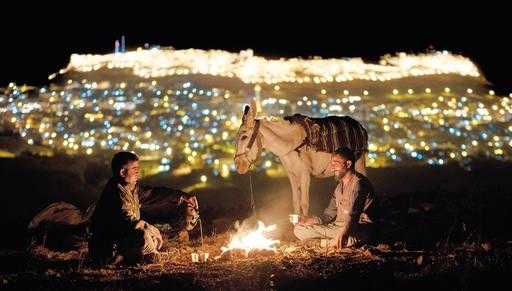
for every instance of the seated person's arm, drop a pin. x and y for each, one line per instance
(129, 218)
(330, 212)
(147, 194)
(353, 204)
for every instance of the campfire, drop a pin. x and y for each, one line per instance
(255, 240)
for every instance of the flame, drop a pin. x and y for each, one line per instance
(253, 240)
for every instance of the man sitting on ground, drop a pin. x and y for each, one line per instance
(347, 220)
(116, 225)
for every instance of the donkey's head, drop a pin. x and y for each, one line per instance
(248, 140)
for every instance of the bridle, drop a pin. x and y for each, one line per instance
(254, 135)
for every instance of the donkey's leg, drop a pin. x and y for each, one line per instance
(294, 183)
(361, 164)
(296, 169)
(305, 180)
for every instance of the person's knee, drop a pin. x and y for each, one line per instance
(135, 241)
(147, 243)
(300, 231)
(133, 246)
(139, 236)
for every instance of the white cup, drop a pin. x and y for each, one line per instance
(294, 218)
(195, 258)
(204, 257)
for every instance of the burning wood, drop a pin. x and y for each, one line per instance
(255, 240)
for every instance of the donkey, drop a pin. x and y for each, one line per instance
(285, 140)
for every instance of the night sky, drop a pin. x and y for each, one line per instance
(43, 45)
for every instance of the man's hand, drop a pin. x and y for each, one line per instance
(141, 224)
(339, 241)
(153, 231)
(156, 236)
(309, 220)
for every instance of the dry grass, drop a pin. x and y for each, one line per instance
(294, 265)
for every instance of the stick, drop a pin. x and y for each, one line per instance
(253, 205)
(201, 231)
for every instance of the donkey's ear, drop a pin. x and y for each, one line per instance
(254, 109)
(246, 111)
(251, 114)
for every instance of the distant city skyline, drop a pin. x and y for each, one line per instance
(33, 52)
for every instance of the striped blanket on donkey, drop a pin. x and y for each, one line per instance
(329, 133)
